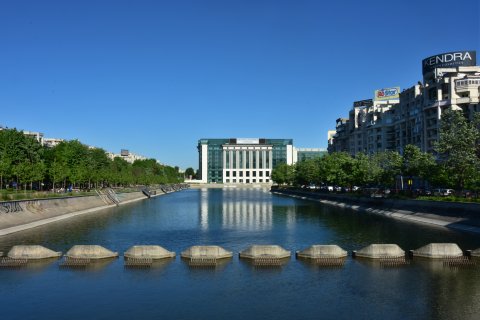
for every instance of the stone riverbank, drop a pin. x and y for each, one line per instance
(21, 215)
(459, 216)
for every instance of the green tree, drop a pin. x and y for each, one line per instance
(364, 170)
(417, 163)
(190, 173)
(335, 169)
(458, 147)
(283, 174)
(390, 164)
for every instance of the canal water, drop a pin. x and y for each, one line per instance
(235, 219)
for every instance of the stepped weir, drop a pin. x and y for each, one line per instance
(323, 255)
(266, 255)
(145, 256)
(205, 256)
(83, 255)
(448, 255)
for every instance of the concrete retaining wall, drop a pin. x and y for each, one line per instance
(21, 215)
(461, 216)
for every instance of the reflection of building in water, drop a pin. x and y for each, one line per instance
(245, 214)
(204, 208)
(235, 209)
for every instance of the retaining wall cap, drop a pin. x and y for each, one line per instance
(90, 252)
(32, 252)
(206, 252)
(148, 251)
(257, 251)
(376, 251)
(323, 251)
(439, 250)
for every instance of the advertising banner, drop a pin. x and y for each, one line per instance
(387, 94)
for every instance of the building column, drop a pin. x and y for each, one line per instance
(270, 160)
(224, 168)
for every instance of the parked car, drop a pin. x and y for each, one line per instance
(443, 192)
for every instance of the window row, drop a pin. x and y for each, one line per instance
(247, 180)
(247, 173)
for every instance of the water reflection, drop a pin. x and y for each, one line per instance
(236, 209)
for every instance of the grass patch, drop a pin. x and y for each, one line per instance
(449, 199)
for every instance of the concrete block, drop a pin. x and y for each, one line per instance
(438, 251)
(208, 252)
(262, 251)
(322, 251)
(32, 252)
(90, 252)
(380, 251)
(148, 251)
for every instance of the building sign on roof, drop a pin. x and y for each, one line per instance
(449, 59)
(387, 94)
(247, 141)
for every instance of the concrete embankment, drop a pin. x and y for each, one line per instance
(26, 214)
(460, 216)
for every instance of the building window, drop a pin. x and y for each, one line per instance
(254, 173)
(267, 174)
(240, 174)
(234, 180)
(227, 180)
(234, 173)
(260, 174)
(248, 180)
(260, 180)
(227, 174)
(241, 181)
(254, 180)
(247, 173)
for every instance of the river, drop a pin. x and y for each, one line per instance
(235, 219)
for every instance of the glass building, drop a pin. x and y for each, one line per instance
(303, 154)
(242, 160)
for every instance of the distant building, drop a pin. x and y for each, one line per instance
(52, 142)
(302, 154)
(243, 161)
(450, 81)
(126, 155)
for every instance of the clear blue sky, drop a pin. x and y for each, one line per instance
(155, 76)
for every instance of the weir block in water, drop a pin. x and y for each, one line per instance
(323, 255)
(438, 251)
(322, 251)
(205, 255)
(475, 253)
(148, 252)
(266, 255)
(380, 251)
(90, 252)
(32, 252)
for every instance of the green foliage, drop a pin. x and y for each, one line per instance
(380, 169)
(283, 174)
(190, 173)
(459, 148)
(417, 163)
(24, 161)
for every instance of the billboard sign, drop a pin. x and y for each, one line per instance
(387, 94)
(449, 59)
(363, 103)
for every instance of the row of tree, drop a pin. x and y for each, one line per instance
(24, 163)
(456, 163)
